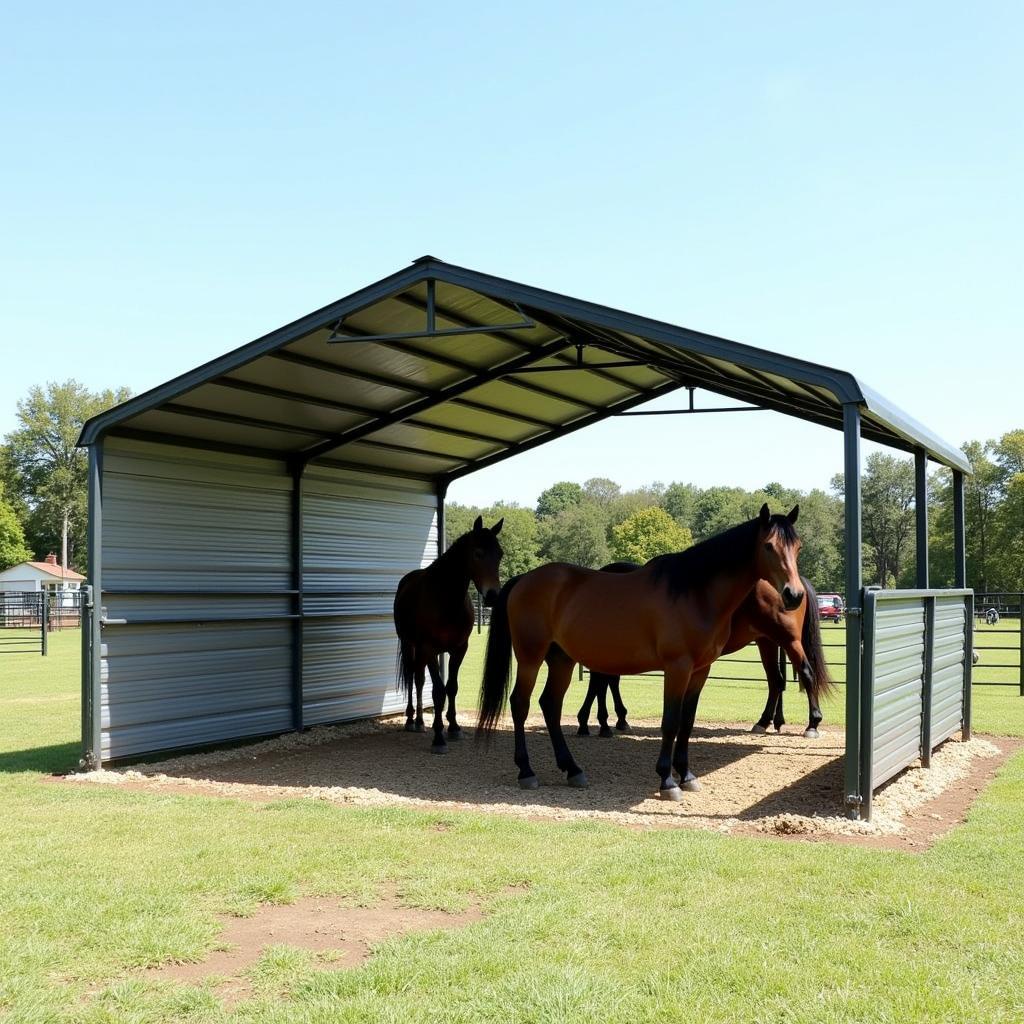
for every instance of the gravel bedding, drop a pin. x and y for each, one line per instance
(768, 783)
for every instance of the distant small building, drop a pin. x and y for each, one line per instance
(33, 577)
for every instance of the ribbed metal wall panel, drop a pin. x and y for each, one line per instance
(897, 686)
(948, 658)
(193, 537)
(361, 534)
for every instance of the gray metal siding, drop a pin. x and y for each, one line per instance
(361, 534)
(948, 660)
(897, 686)
(196, 538)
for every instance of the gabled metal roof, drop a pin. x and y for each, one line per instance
(437, 371)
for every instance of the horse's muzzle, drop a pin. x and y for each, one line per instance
(791, 598)
(490, 598)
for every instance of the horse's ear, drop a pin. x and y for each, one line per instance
(794, 512)
(765, 516)
(479, 524)
(496, 528)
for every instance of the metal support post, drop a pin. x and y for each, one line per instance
(921, 516)
(854, 605)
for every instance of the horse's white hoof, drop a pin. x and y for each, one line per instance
(812, 734)
(579, 781)
(530, 782)
(758, 728)
(691, 785)
(673, 793)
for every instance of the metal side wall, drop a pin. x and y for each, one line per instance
(915, 679)
(197, 612)
(949, 657)
(360, 534)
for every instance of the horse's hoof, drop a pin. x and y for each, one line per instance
(454, 733)
(606, 732)
(673, 793)
(623, 726)
(583, 730)
(410, 726)
(578, 781)
(691, 783)
(439, 748)
(778, 728)
(530, 782)
(812, 734)
(759, 728)
(420, 727)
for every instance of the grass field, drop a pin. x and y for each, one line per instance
(605, 924)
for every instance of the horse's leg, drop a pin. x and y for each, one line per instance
(583, 715)
(560, 668)
(408, 658)
(519, 703)
(806, 675)
(422, 661)
(778, 720)
(602, 706)
(769, 659)
(620, 709)
(677, 680)
(681, 761)
(438, 744)
(452, 689)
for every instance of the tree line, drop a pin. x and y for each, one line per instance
(43, 508)
(597, 522)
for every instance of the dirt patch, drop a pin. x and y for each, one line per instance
(778, 785)
(319, 925)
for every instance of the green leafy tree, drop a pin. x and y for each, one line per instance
(679, 501)
(518, 538)
(647, 533)
(12, 538)
(49, 472)
(718, 508)
(821, 531)
(577, 535)
(558, 497)
(601, 490)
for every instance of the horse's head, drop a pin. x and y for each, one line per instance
(778, 548)
(484, 557)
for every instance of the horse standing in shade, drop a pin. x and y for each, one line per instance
(434, 616)
(674, 615)
(763, 619)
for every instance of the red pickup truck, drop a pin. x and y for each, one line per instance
(831, 607)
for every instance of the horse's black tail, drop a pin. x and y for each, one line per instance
(497, 665)
(813, 649)
(404, 658)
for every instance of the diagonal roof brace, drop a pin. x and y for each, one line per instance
(439, 397)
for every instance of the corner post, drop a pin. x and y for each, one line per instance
(926, 682)
(44, 620)
(92, 638)
(921, 516)
(854, 606)
(959, 541)
(442, 491)
(297, 468)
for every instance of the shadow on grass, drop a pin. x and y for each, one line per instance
(56, 759)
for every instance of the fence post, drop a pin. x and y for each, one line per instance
(926, 682)
(44, 616)
(965, 725)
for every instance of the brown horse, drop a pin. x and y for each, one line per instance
(674, 615)
(434, 616)
(763, 619)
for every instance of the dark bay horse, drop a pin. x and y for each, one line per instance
(763, 619)
(673, 615)
(434, 616)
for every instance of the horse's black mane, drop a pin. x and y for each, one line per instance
(726, 552)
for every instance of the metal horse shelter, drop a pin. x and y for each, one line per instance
(249, 520)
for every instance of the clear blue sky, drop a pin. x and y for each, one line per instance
(838, 182)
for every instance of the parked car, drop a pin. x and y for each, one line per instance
(831, 607)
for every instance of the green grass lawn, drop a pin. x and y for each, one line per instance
(606, 924)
